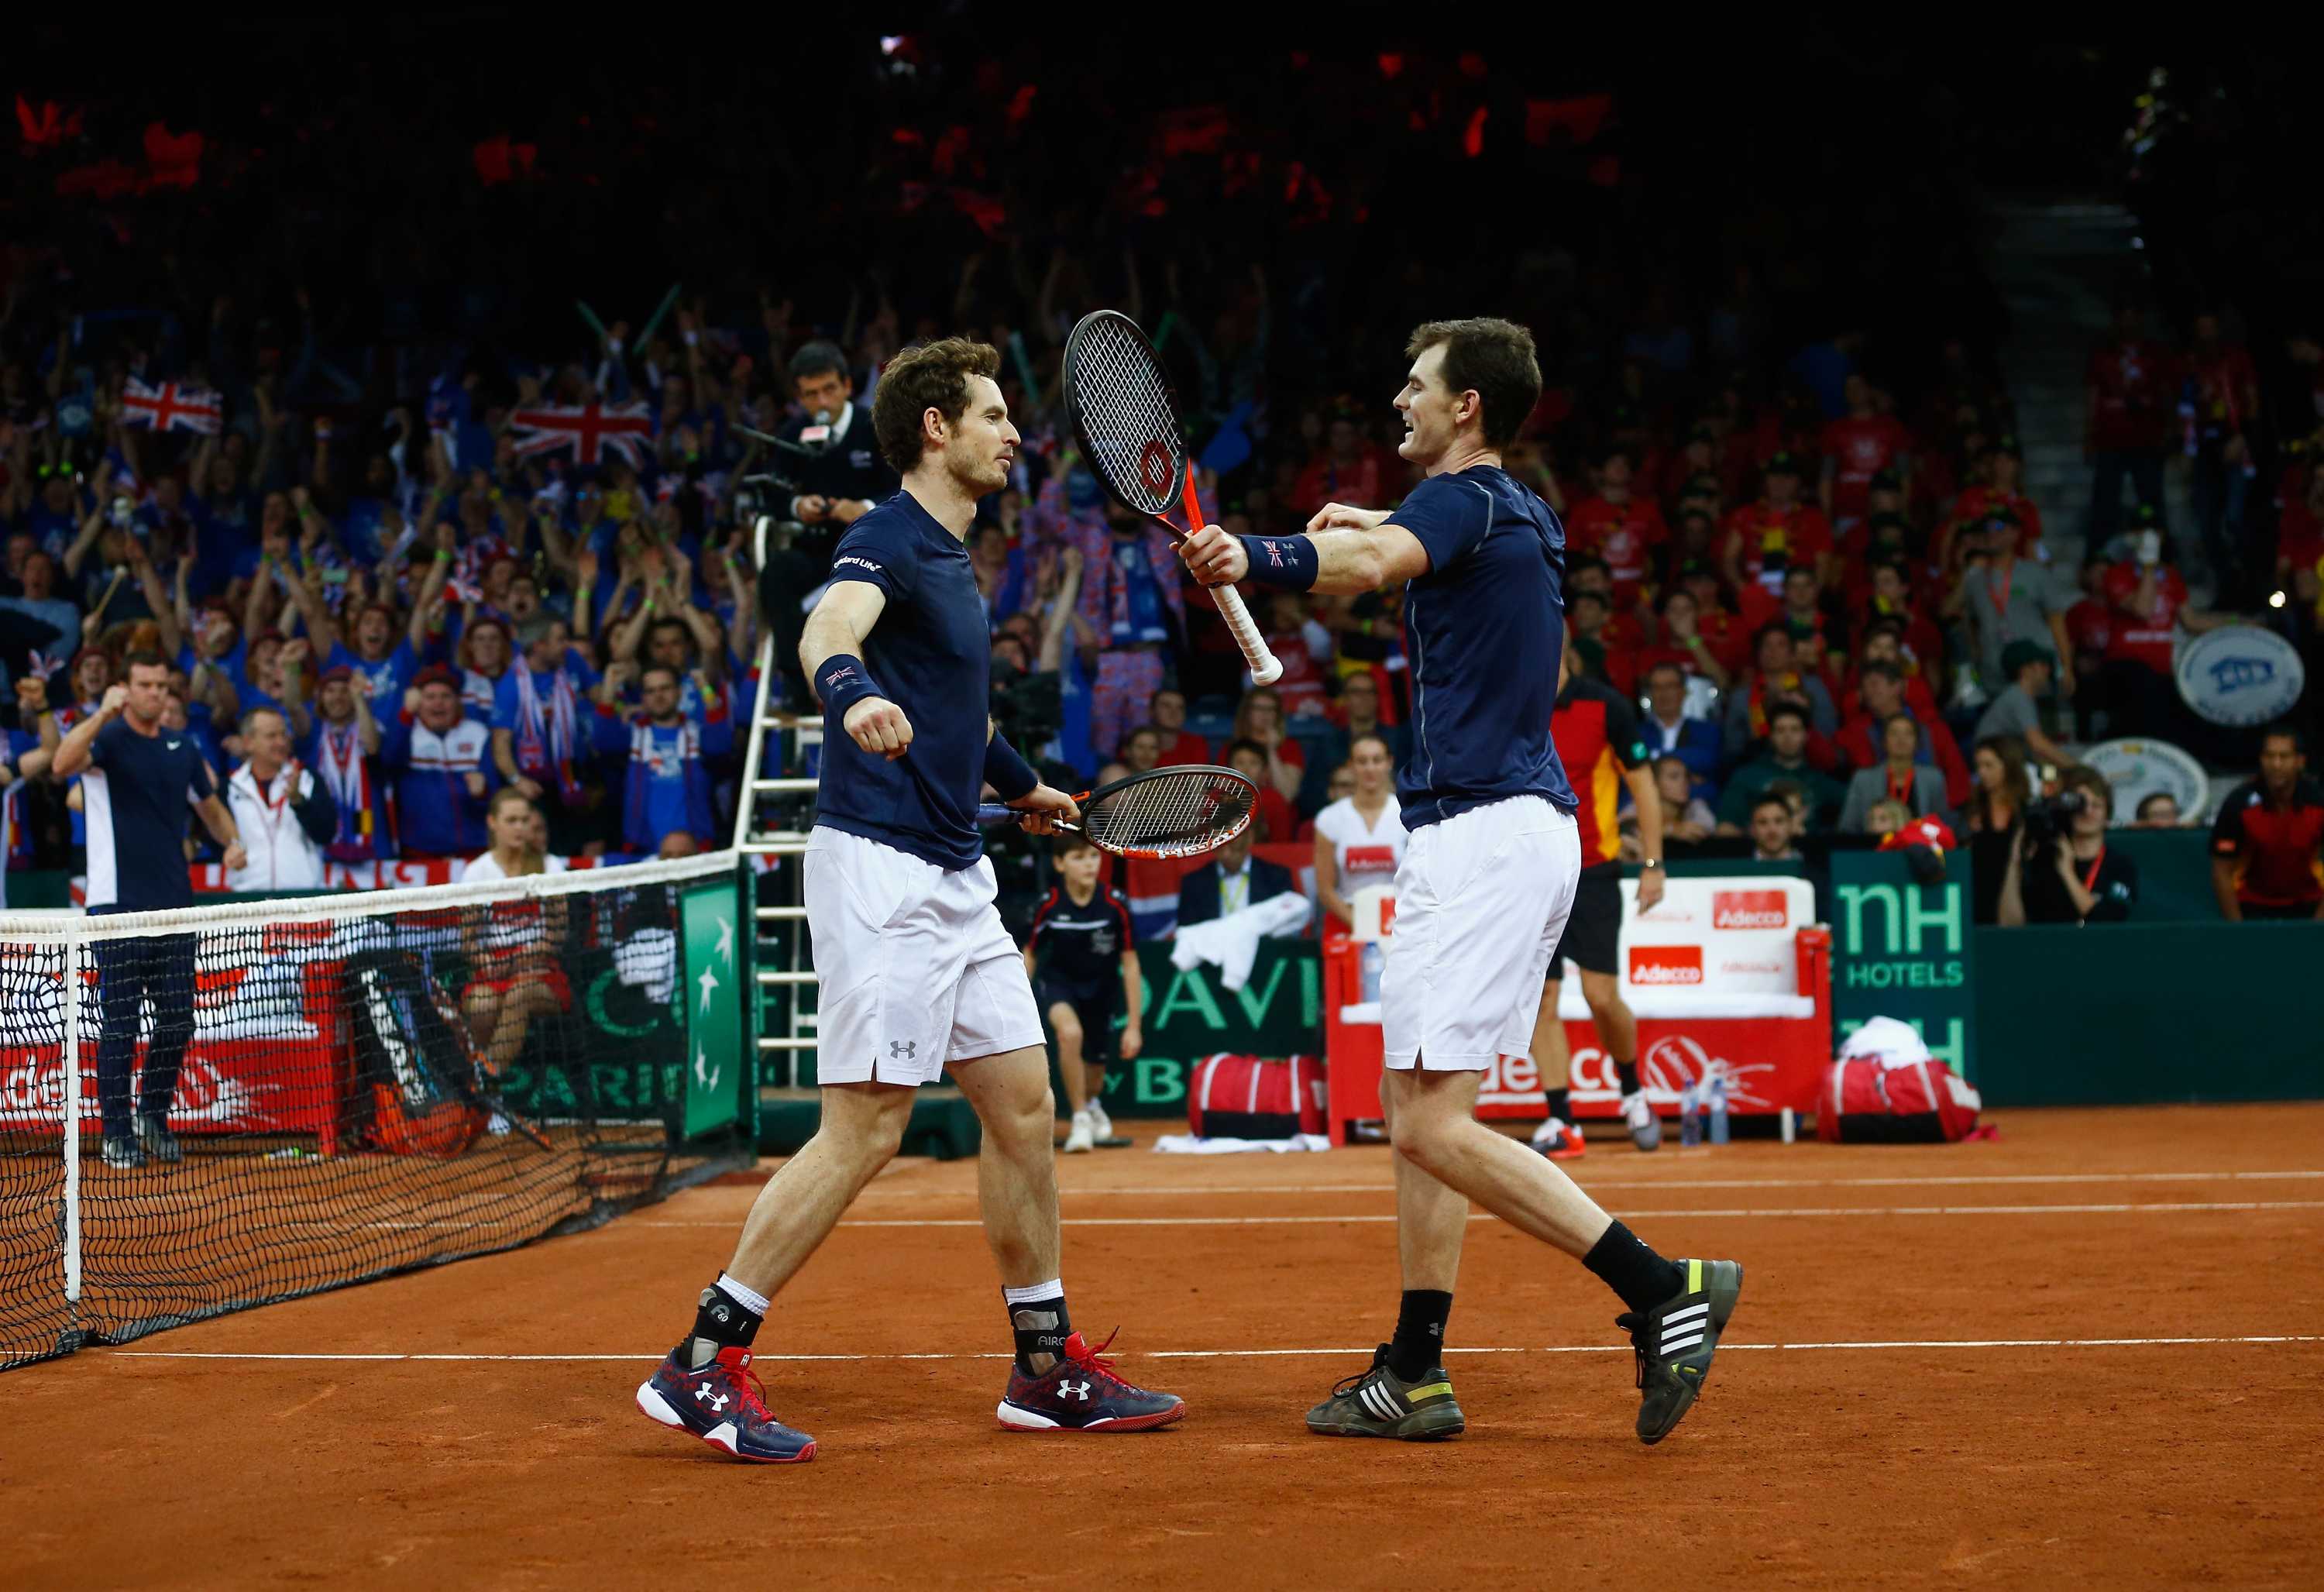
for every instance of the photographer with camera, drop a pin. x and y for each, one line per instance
(2061, 870)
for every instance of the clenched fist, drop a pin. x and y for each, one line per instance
(879, 725)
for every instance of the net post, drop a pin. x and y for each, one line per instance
(69, 1114)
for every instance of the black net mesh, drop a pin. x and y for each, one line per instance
(1173, 812)
(275, 1100)
(1121, 406)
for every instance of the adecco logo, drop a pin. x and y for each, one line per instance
(1666, 964)
(1749, 909)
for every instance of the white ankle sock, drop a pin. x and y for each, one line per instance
(1037, 1293)
(756, 1303)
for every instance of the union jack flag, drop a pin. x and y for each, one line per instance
(588, 429)
(170, 407)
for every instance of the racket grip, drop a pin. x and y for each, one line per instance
(991, 814)
(1265, 667)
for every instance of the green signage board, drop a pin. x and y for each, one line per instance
(1189, 1014)
(1903, 950)
(716, 1061)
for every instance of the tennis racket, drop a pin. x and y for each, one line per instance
(1126, 421)
(1186, 811)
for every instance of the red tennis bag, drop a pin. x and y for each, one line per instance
(1245, 1097)
(1886, 1087)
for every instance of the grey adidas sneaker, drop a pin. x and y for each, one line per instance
(1378, 1402)
(1674, 1341)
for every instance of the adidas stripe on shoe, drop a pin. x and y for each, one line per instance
(1674, 1343)
(1377, 1402)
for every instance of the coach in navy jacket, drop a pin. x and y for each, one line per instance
(1200, 892)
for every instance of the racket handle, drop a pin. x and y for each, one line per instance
(991, 815)
(1265, 668)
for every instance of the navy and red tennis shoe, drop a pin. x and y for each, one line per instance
(723, 1403)
(1081, 1392)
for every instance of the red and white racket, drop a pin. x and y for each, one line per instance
(1127, 421)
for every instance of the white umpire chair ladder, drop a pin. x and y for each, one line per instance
(779, 741)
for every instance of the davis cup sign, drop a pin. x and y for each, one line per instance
(2239, 675)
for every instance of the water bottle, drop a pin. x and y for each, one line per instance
(1690, 1115)
(1371, 976)
(1715, 1102)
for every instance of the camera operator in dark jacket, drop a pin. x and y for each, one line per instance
(832, 474)
(2061, 870)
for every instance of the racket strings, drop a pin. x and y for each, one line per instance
(1125, 408)
(1173, 816)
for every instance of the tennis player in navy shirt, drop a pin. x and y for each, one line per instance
(1487, 878)
(916, 972)
(138, 780)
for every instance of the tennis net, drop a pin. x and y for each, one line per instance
(252, 1102)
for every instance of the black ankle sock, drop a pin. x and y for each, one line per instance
(1419, 1344)
(1042, 1327)
(1622, 1261)
(1626, 1074)
(1561, 1103)
(720, 1321)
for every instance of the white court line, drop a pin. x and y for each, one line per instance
(2157, 1208)
(1673, 1185)
(1226, 1354)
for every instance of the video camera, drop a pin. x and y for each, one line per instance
(2052, 816)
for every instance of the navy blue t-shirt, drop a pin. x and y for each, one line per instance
(931, 655)
(136, 795)
(1484, 628)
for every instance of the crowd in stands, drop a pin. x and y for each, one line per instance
(1806, 549)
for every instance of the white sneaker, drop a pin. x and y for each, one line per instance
(1100, 1125)
(499, 1126)
(1638, 1116)
(1081, 1137)
(1547, 1130)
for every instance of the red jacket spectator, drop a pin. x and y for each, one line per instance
(1855, 450)
(2133, 383)
(1776, 530)
(1346, 470)
(2144, 627)
(1619, 527)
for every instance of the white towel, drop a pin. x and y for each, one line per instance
(1187, 1143)
(1231, 942)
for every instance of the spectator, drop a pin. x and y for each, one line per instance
(138, 783)
(1784, 758)
(2267, 845)
(514, 948)
(1357, 712)
(1134, 603)
(2158, 810)
(2001, 493)
(1668, 729)
(2218, 403)
(1999, 596)
(1140, 748)
(284, 813)
(1303, 647)
(1091, 978)
(1348, 469)
(1774, 678)
(340, 742)
(2132, 387)
(1618, 526)
(1817, 641)
(1996, 806)
(2149, 603)
(1166, 710)
(1359, 838)
(440, 757)
(2070, 877)
(1258, 719)
(485, 655)
(40, 603)
(1687, 819)
(1271, 819)
(2017, 710)
(1893, 604)
(1768, 536)
(667, 789)
(1700, 653)
(537, 730)
(1899, 777)
(1882, 692)
(1233, 881)
(1866, 441)
(1773, 835)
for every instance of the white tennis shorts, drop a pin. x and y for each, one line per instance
(1481, 902)
(912, 964)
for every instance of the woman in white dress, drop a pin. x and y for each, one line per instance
(514, 946)
(1359, 838)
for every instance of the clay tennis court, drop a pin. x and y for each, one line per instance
(2090, 1352)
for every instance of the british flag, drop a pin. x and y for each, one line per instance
(170, 406)
(589, 430)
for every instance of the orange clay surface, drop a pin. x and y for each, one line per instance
(2026, 1363)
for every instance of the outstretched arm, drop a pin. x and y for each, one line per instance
(1355, 551)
